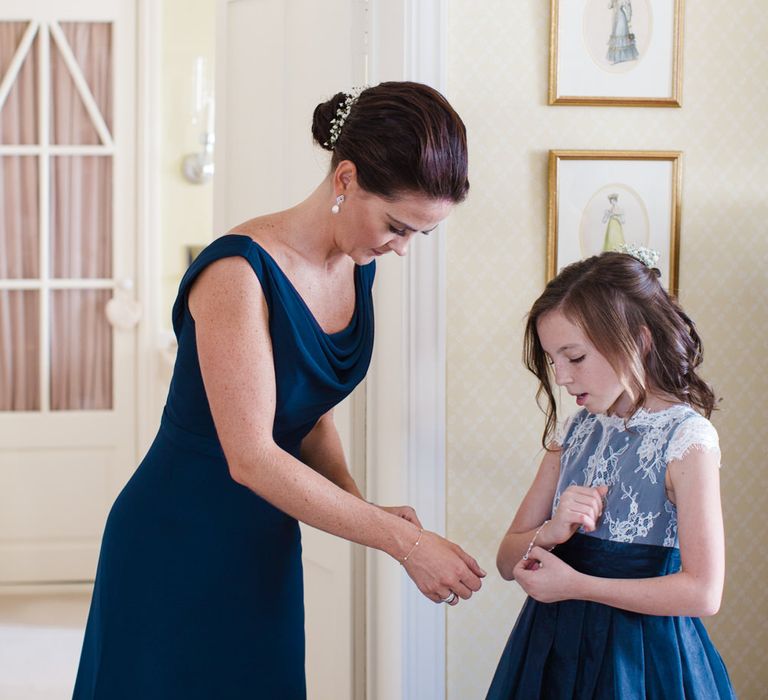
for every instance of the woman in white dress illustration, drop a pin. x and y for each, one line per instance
(614, 231)
(621, 45)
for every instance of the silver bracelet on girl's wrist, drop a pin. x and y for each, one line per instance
(533, 541)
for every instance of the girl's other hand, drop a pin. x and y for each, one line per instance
(545, 577)
(439, 567)
(580, 506)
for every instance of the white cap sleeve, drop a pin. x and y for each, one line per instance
(695, 431)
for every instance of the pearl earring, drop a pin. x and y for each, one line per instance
(337, 207)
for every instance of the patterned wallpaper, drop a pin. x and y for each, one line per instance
(497, 78)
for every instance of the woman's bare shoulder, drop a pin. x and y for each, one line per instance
(225, 283)
(265, 230)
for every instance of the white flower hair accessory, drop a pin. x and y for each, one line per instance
(342, 113)
(647, 256)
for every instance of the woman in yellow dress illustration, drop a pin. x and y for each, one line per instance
(614, 231)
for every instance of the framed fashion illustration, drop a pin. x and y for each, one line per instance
(616, 52)
(601, 200)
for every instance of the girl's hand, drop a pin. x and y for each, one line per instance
(580, 506)
(545, 577)
(439, 567)
(405, 512)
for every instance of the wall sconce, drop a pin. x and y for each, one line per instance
(198, 168)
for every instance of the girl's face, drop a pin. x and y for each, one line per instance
(579, 367)
(372, 226)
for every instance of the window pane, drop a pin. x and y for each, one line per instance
(18, 117)
(90, 44)
(81, 217)
(18, 217)
(19, 350)
(81, 350)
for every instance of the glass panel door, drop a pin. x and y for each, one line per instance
(56, 220)
(68, 250)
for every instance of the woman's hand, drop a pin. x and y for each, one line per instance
(545, 577)
(405, 512)
(580, 506)
(439, 567)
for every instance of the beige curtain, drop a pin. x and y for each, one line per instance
(19, 329)
(80, 229)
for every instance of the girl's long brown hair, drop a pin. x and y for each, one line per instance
(613, 297)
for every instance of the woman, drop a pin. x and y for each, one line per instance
(198, 592)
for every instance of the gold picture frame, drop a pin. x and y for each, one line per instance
(632, 71)
(599, 199)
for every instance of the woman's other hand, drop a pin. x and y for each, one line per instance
(405, 512)
(439, 567)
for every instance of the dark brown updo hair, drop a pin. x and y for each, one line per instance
(402, 137)
(612, 297)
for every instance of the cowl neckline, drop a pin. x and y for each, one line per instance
(288, 284)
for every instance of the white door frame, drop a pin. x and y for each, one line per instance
(406, 392)
(151, 366)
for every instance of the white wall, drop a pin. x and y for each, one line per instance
(186, 209)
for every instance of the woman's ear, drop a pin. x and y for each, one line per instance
(344, 175)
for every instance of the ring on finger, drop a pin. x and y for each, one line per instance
(449, 599)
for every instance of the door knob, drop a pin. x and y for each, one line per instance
(122, 310)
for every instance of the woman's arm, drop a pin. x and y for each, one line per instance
(321, 449)
(696, 590)
(579, 506)
(235, 354)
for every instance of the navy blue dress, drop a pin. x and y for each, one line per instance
(199, 590)
(580, 650)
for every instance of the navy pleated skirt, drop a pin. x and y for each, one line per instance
(577, 649)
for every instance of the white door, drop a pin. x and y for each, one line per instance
(275, 60)
(67, 247)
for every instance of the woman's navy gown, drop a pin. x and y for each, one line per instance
(199, 590)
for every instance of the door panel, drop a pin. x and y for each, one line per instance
(67, 244)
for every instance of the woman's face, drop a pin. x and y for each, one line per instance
(371, 226)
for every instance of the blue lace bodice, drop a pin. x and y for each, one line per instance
(631, 458)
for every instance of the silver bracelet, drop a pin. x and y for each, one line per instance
(533, 541)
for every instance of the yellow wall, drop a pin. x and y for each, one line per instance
(497, 78)
(186, 209)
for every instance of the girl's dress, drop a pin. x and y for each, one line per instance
(577, 649)
(199, 590)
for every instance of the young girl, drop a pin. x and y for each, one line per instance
(619, 541)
